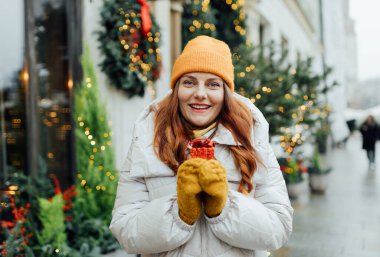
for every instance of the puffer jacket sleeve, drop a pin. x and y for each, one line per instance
(142, 225)
(262, 222)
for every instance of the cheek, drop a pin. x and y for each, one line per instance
(183, 98)
(183, 94)
(218, 100)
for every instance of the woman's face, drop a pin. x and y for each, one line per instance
(201, 97)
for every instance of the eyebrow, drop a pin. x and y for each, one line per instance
(192, 77)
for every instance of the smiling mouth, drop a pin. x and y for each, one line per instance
(199, 107)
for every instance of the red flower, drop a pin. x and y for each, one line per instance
(20, 215)
(67, 206)
(57, 186)
(69, 193)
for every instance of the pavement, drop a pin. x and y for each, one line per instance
(345, 221)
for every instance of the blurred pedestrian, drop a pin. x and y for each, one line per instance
(201, 178)
(370, 132)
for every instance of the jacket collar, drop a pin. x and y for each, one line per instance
(222, 136)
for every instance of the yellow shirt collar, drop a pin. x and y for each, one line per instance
(197, 133)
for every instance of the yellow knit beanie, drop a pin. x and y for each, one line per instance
(205, 54)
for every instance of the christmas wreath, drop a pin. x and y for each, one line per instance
(129, 43)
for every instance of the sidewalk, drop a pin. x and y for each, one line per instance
(345, 222)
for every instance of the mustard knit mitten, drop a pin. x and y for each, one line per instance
(213, 180)
(189, 190)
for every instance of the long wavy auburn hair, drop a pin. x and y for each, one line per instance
(171, 136)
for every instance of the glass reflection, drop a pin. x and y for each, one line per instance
(52, 76)
(12, 91)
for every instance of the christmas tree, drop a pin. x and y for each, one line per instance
(198, 18)
(272, 87)
(231, 25)
(96, 172)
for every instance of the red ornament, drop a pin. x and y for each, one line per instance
(146, 21)
(202, 148)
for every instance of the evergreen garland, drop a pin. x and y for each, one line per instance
(131, 58)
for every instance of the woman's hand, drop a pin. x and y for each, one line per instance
(213, 181)
(189, 190)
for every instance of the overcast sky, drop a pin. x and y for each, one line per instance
(366, 14)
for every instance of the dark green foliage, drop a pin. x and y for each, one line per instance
(194, 20)
(231, 23)
(90, 235)
(14, 243)
(86, 237)
(131, 75)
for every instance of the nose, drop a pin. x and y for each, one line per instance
(200, 92)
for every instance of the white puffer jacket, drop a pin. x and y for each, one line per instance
(145, 217)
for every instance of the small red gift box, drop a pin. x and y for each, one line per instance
(202, 148)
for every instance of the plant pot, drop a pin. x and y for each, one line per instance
(322, 145)
(295, 190)
(318, 183)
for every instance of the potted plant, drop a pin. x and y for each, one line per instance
(318, 176)
(321, 136)
(294, 172)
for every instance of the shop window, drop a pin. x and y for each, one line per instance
(39, 66)
(51, 71)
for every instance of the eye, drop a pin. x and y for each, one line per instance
(214, 85)
(187, 82)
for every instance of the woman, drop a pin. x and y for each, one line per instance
(169, 204)
(370, 132)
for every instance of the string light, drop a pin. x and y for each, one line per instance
(25, 76)
(92, 157)
(70, 84)
(139, 62)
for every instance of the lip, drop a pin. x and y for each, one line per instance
(199, 110)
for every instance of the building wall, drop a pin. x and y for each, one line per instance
(337, 53)
(285, 20)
